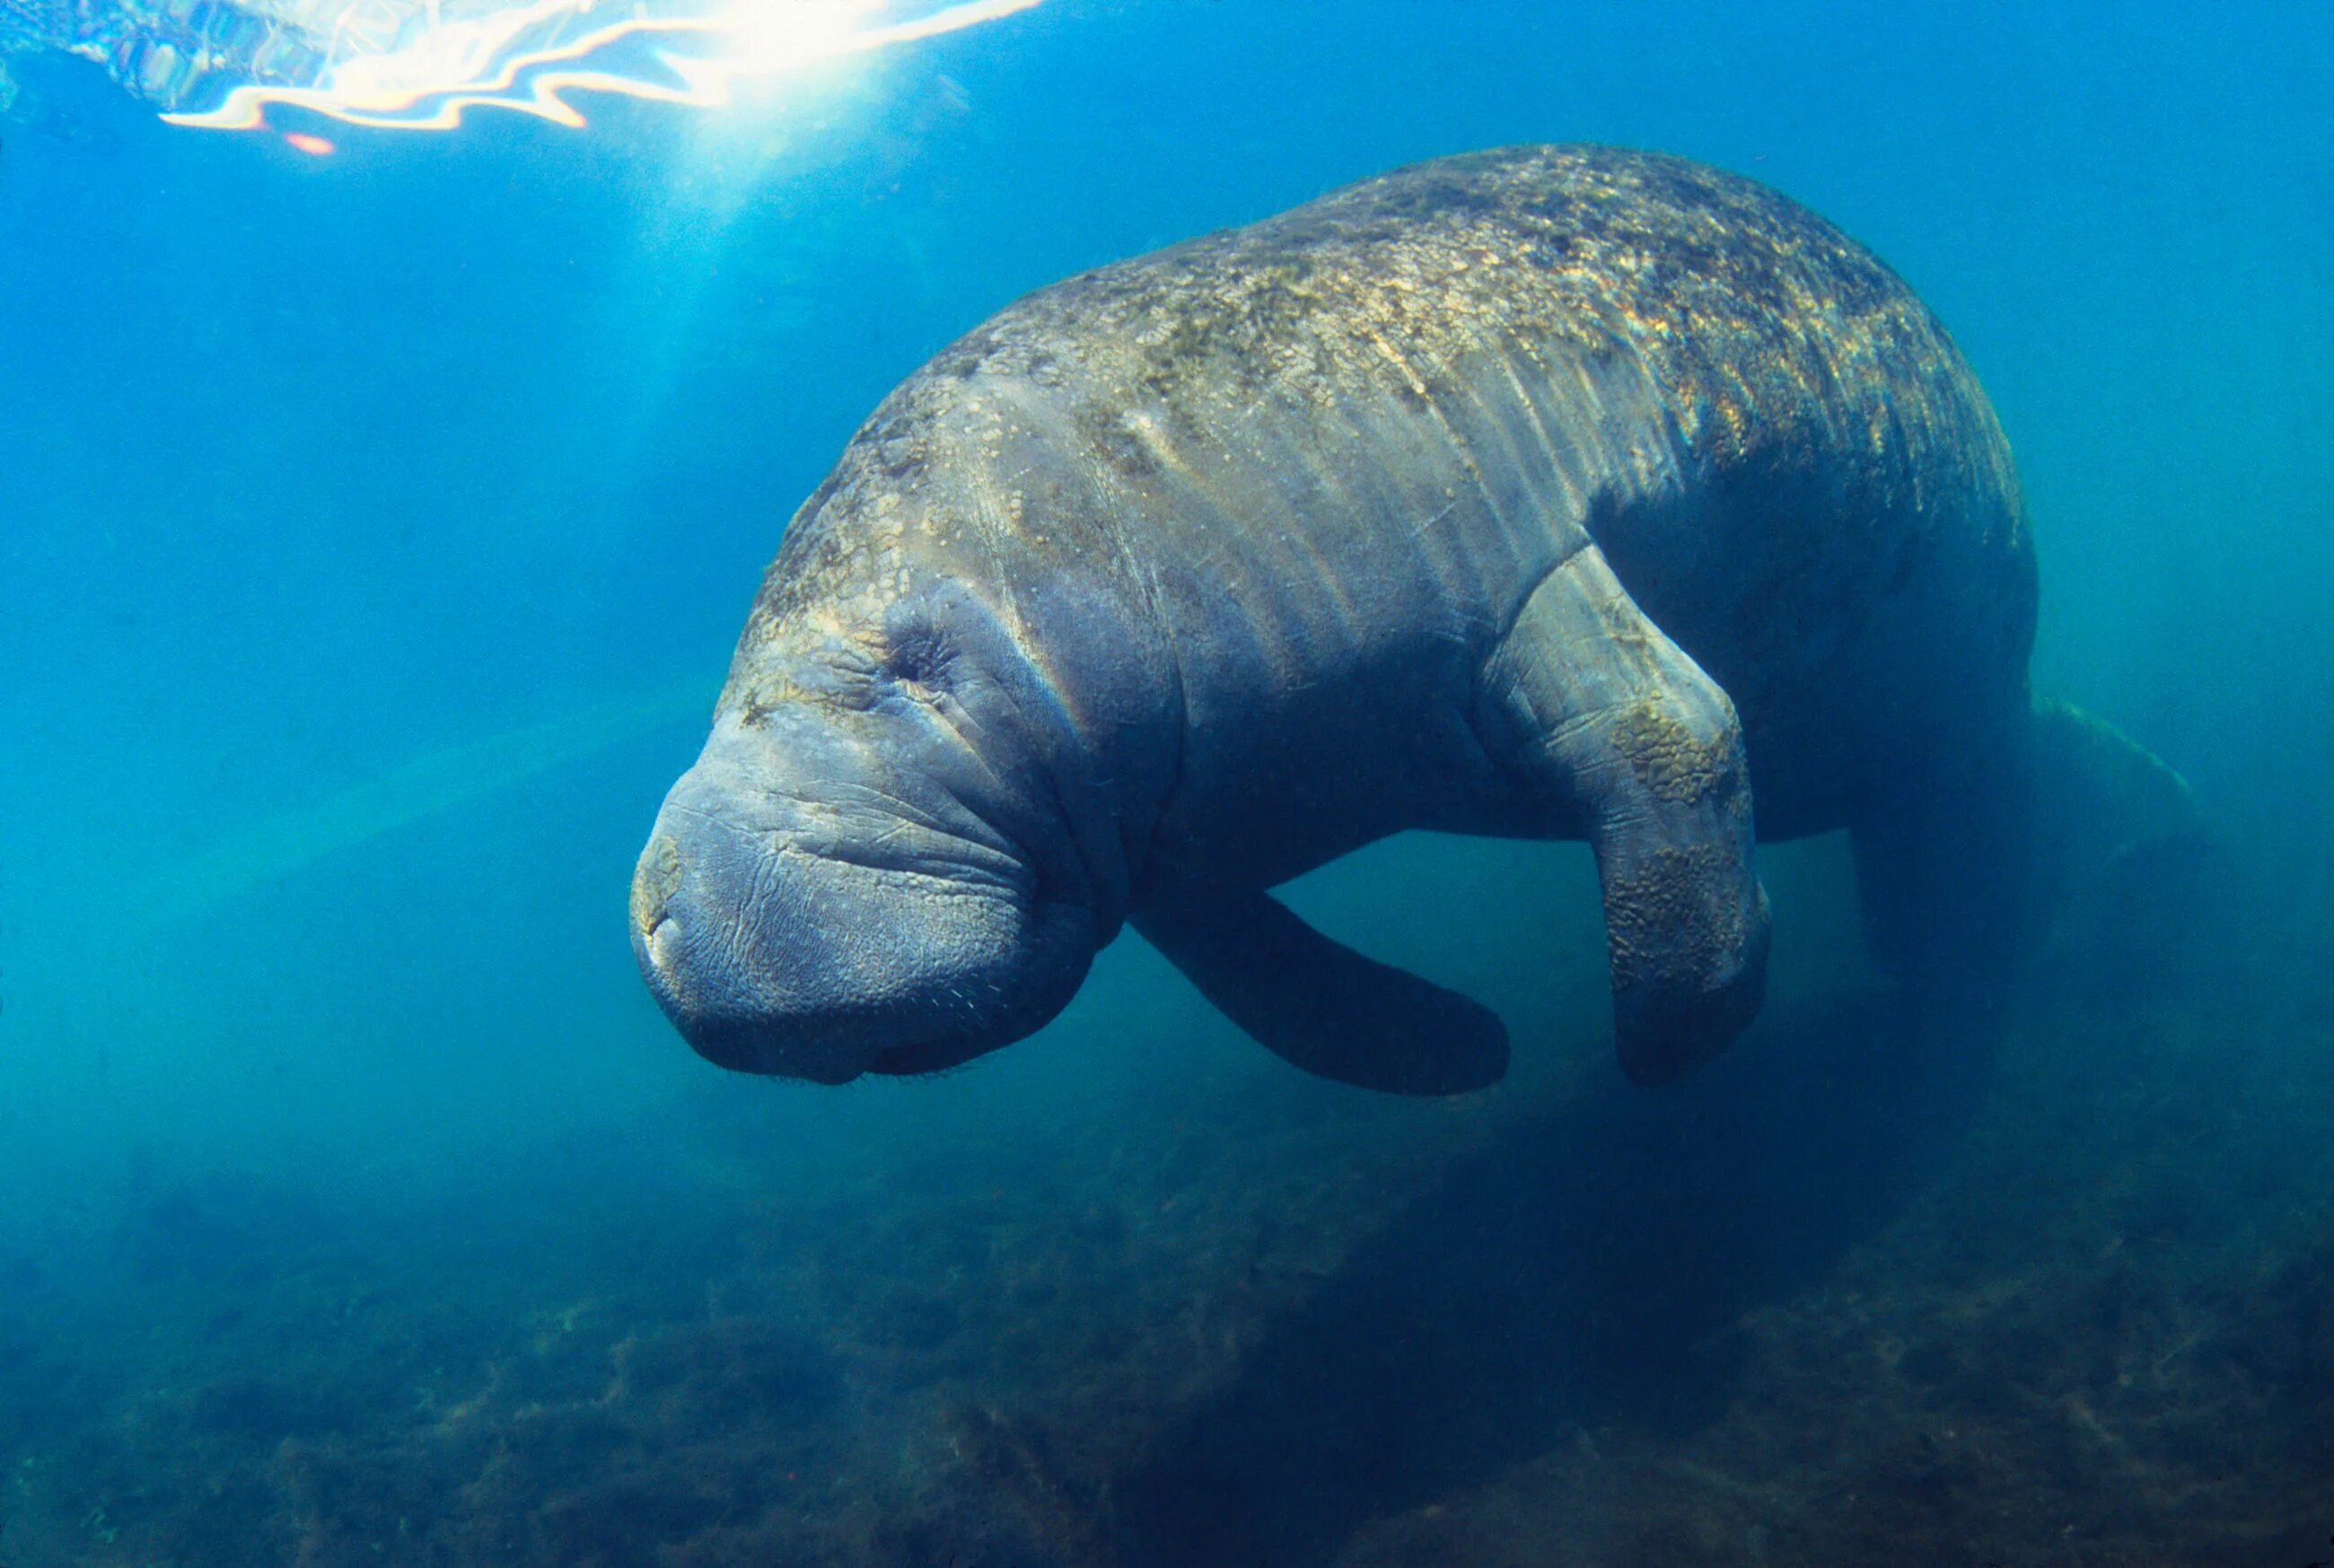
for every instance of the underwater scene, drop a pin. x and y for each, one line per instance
(1794, 1021)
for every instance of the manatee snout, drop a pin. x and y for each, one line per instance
(826, 932)
(703, 890)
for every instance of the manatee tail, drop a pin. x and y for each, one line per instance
(2120, 850)
(2054, 838)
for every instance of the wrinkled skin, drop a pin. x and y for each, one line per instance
(880, 862)
(1552, 492)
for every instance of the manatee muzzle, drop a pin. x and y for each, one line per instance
(822, 940)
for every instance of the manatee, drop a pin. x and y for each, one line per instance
(1550, 492)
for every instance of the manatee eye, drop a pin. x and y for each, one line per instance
(918, 663)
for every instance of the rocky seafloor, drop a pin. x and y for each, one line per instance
(1841, 1300)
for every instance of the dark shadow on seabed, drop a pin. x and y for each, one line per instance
(1585, 1268)
(1838, 1300)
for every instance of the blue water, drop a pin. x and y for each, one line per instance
(375, 529)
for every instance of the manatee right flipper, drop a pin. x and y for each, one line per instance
(1319, 1005)
(1614, 728)
(2103, 807)
(2120, 891)
(2046, 832)
(1942, 856)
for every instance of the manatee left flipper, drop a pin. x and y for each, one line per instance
(1319, 1005)
(1625, 740)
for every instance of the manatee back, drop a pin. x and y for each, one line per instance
(1848, 552)
(1355, 434)
(1422, 386)
(1776, 342)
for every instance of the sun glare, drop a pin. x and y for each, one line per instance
(532, 56)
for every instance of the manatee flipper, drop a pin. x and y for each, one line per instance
(1638, 750)
(1323, 1008)
(2104, 805)
(1942, 856)
(2052, 821)
(2122, 864)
